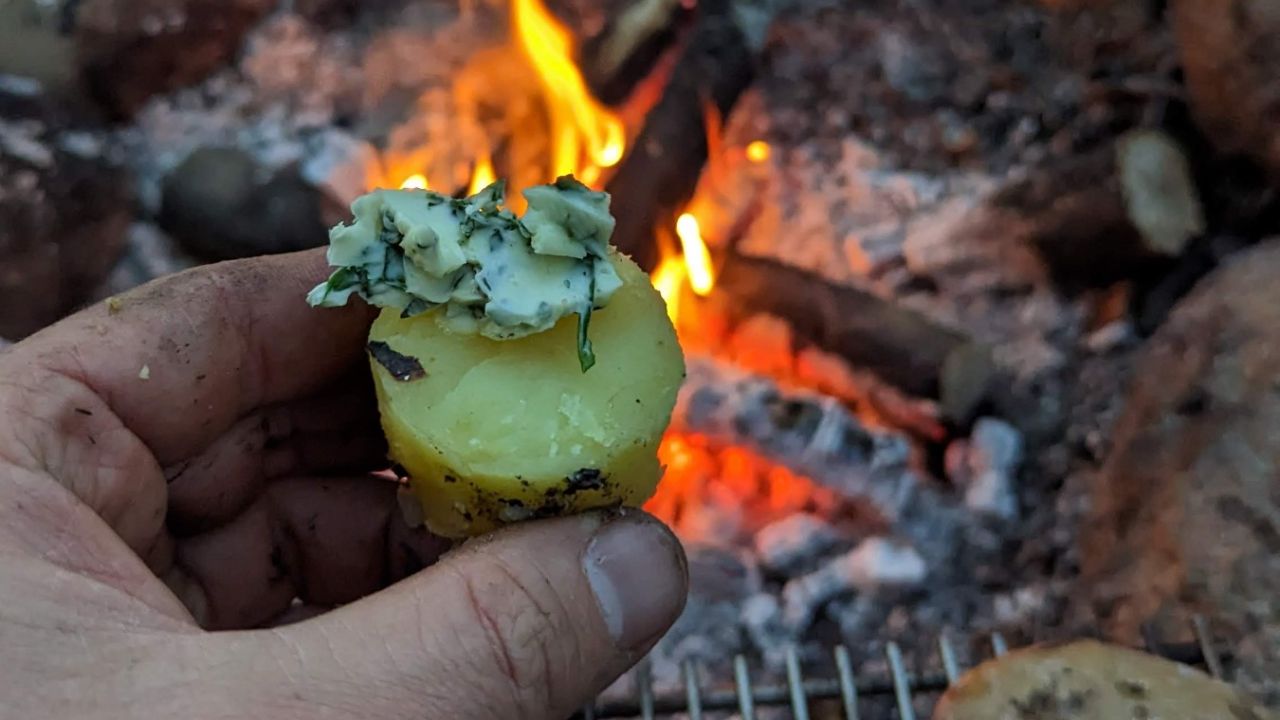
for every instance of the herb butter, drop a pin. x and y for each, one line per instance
(489, 271)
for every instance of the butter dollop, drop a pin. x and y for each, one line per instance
(487, 270)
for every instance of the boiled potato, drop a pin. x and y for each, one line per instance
(1090, 680)
(497, 431)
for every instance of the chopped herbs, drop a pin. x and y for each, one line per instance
(587, 355)
(496, 274)
(402, 367)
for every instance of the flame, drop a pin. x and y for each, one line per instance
(668, 279)
(758, 151)
(415, 182)
(697, 258)
(586, 137)
(483, 176)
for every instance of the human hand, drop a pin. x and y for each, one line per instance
(196, 454)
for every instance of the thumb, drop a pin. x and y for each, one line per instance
(529, 623)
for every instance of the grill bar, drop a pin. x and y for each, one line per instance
(795, 681)
(901, 682)
(846, 687)
(746, 698)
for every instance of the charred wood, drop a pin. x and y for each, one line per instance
(617, 58)
(1121, 212)
(901, 347)
(656, 180)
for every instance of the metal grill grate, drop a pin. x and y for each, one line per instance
(846, 688)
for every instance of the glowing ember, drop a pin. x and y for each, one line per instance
(758, 151)
(697, 258)
(585, 136)
(698, 470)
(415, 182)
(483, 176)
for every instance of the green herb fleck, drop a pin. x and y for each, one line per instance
(587, 356)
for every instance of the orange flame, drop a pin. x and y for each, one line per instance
(415, 182)
(586, 137)
(697, 258)
(483, 176)
(668, 279)
(758, 151)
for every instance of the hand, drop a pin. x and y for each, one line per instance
(196, 454)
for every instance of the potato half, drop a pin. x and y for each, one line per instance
(492, 432)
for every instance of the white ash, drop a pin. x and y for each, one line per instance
(789, 545)
(1115, 335)
(283, 99)
(761, 619)
(149, 254)
(709, 629)
(877, 564)
(819, 438)
(986, 465)
(341, 164)
(22, 139)
(1021, 605)
(20, 85)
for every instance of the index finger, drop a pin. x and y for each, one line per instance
(180, 359)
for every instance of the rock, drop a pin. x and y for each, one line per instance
(63, 215)
(130, 50)
(1090, 680)
(794, 542)
(1186, 510)
(1230, 54)
(220, 204)
(986, 465)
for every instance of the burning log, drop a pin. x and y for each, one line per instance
(616, 59)
(656, 180)
(819, 438)
(901, 347)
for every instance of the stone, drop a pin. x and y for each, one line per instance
(63, 216)
(1186, 509)
(794, 542)
(131, 50)
(221, 204)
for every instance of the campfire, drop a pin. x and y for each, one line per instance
(915, 254)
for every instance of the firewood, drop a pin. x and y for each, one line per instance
(617, 58)
(657, 178)
(1110, 215)
(899, 346)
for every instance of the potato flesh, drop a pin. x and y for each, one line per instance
(502, 431)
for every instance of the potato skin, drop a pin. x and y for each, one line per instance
(493, 432)
(1090, 680)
